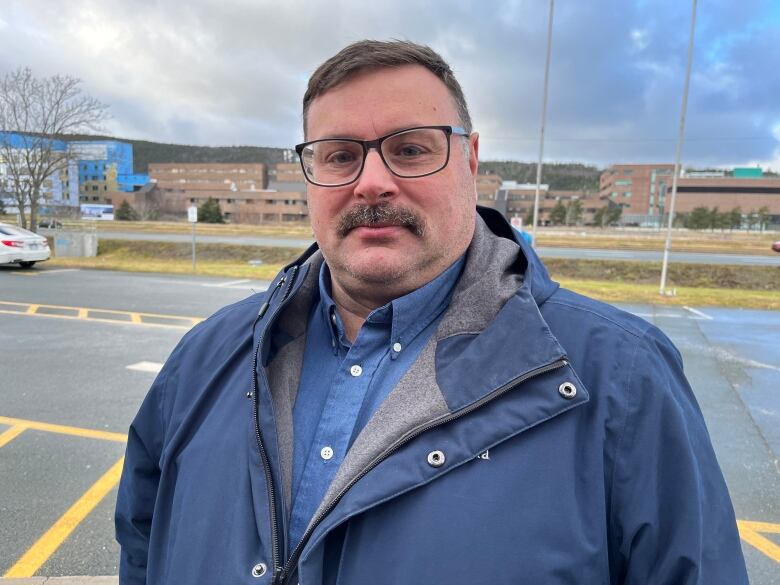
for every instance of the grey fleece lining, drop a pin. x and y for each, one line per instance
(487, 282)
(284, 371)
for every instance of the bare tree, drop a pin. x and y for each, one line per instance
(35, 113)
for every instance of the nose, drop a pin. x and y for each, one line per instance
(376, 181)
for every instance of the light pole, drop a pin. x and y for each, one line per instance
(680, 139)
(541, 131)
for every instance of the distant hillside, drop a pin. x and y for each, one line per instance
(145, 152)
(562, 176)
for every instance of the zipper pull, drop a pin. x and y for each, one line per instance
(278, 576)
(267, 303)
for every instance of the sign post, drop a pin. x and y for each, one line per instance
(192, 217)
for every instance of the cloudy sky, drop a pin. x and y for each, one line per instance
(229, 72)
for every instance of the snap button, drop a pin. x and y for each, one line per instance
(567, 390)
(397, 347)
(436, 458)
(259, 570)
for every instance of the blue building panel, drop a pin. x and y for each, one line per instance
(132, 182)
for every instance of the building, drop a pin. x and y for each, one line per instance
(640, 189)
(104, 166)
(750, 192)
(643, 191)
(94, 168)
(241, 190)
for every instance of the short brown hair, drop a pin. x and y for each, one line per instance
(369, 54)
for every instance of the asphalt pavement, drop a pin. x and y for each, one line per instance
(80, 349)
(544, 252)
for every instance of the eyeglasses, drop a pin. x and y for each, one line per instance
(410, 153)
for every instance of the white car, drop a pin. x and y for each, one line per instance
(22, 247)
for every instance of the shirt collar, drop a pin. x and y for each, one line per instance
(406, 315)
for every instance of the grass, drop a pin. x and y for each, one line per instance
(754, 287)
(722, 242)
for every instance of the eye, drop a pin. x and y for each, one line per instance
(340, 157)
(410, 150)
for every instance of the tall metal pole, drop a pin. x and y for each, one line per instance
(541, 131)
(680, 139)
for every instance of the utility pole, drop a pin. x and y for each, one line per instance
(541, 131)
(680, 139)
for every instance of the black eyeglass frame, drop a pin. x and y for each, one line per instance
(377, 145)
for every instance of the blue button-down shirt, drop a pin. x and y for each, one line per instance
(342, 383)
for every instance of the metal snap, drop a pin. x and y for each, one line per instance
(436, 458)
(567, 390)
(259, 570)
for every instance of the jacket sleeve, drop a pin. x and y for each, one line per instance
(138, 485)
(672, 521)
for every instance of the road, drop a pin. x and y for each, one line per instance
(80, 349)
(579, 253)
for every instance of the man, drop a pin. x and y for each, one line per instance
(414, 400)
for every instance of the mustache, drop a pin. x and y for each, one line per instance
(371, 215)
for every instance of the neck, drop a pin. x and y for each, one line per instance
(353, 307)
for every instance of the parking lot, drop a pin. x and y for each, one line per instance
(80, 349)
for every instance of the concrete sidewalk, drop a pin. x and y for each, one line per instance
(62, 581)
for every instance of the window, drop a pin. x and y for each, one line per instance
(624, 182)
(628, 171)
(627, 194)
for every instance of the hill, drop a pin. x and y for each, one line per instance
(562, 176)
(145, 152)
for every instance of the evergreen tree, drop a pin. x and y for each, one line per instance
(699, 219)
(614, 214)
(210, 212)
(735, 218)
(125, 212)
(558, 214)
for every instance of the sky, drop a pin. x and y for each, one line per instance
(233, 72)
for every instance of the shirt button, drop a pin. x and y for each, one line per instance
(356, 370)
(326, 453)
(397, 347)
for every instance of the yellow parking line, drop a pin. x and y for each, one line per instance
(62, 429)
(83, 313)
(47, 544)
(10, 434)
(749, 532)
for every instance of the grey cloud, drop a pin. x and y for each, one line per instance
(208, 72)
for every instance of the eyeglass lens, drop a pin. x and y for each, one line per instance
(412, 153)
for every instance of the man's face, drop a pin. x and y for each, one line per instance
(436, 214)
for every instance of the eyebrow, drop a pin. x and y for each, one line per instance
(335, 136)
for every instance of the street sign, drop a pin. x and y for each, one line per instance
(192, 214)
(517, 222)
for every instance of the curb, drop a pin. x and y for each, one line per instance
(83, 580)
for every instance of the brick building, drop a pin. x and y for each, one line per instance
(640, 189)
(643, 190)
(727, 192)
(241, 189)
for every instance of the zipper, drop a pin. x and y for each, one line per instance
(277, 568)
(413, 434)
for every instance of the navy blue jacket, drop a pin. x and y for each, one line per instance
(540, 437)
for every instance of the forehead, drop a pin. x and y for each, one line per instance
(375, 102)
